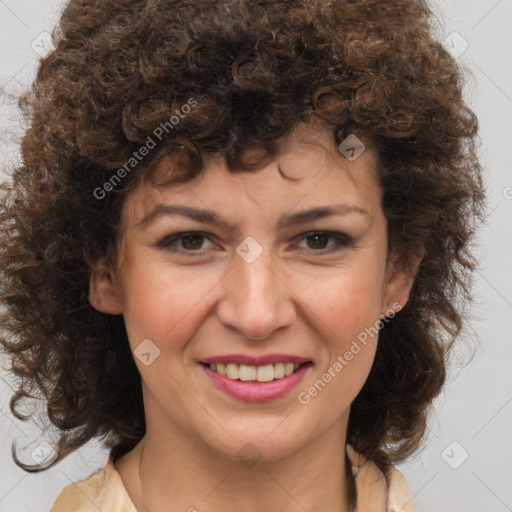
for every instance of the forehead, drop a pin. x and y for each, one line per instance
(308, 171)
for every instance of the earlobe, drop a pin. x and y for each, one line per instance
(397, 292)
(400, 277)
(103, 293)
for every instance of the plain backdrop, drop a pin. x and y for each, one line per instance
(466, 462)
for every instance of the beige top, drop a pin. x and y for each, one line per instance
(104, 490)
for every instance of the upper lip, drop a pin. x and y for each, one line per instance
(255, 360)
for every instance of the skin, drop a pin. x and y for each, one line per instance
(291, 299)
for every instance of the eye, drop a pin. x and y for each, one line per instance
(188, 242)
(318, 241)
(191, 243)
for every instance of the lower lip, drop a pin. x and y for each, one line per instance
(257, 391)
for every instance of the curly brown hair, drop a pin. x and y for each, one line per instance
(256, 70)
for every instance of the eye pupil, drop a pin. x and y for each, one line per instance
(318, 236)
(188, 238)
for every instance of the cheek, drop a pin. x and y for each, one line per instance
(348, 333)
(344, 309)
(348, 327)
(160, 304)
(346, 301)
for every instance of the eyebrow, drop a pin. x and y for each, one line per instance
(210, 217)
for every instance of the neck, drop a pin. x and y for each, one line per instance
(191, 477)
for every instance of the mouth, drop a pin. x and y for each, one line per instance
(256, 373)
(256, 378)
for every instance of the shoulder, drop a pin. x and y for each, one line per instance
(104, 490)
(399, 495)
(376, 492)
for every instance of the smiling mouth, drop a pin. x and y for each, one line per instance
(247, 373)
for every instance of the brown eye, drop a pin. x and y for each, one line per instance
(185, 242)
(192, 242)
(318, 241)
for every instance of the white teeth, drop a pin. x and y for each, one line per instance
(288, 368)
(246, 372)
(265, 373)
(232, 371)
(279, 370)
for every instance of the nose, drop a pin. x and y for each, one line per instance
(257, 299)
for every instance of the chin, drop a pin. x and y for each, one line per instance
(268, 440)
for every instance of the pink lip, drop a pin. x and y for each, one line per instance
(257, 391)
(255, 360)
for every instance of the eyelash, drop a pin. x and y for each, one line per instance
(343, 242)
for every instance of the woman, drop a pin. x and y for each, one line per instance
(237, 249)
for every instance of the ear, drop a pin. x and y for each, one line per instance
(401, 271)
(103, 293)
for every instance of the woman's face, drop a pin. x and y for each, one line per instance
(271, 272)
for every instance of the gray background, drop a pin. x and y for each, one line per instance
(466, 463)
